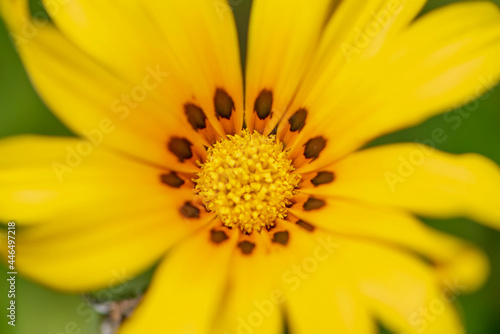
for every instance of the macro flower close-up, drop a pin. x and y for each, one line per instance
(239, 159)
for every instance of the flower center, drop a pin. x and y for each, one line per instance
(247, 181)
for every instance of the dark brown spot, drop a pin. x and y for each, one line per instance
(218, 236)
(264, 104)
(181, 148)
(172, 180)
(270, 227)
(281, 237)
(274, 132)
(195, 116)
(313, 204)
(188, 210)
(246, 247)
(314, 147)
(323, 178)
(298, 120)
(223, 103)
(305, 225)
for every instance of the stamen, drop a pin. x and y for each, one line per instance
(248, 181)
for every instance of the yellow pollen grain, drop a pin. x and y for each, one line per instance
(248, 181)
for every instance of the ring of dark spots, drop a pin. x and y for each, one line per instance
(298, 120)
(172, 180)
(313, 204)
(246, 247)
(281, 237)
(188, 210)
(218, 236)
(264, 104)
(323, 178)
(314, 147)
(181, 148)
(223, 103)
(306, 226)
(195, 116)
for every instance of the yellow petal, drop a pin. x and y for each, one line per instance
(420, 179)
(116, 34)
(281, 40)
(201, 36)
(80, 230)
(357, 32)
(153, 33)
(453, 258)
(352, 31)
(325, 301)
(417, 74)
(48, 178)
(253, 300)
(392, 285)
(100, 253)
(401, 290)
(328, 307)
(137, 108)
(186, 290)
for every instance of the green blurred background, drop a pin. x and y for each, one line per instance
(41, 311)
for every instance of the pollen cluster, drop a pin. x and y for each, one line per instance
(248, 181)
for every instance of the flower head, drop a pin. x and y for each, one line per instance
(248, 181)
(257, 198)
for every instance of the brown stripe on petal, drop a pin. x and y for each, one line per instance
(298, 120)
(314, 147)
(264, 104)
(195, 116)
(172, 180)
(281, 237)
(223, 103)
(313, 204)
(246, 247)
(188, 210)
(305, 225)
(218, 236)
(181, 148)
(323, 178)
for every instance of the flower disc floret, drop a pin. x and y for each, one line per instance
(248, 181)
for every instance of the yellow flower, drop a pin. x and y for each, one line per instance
(256, 189)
